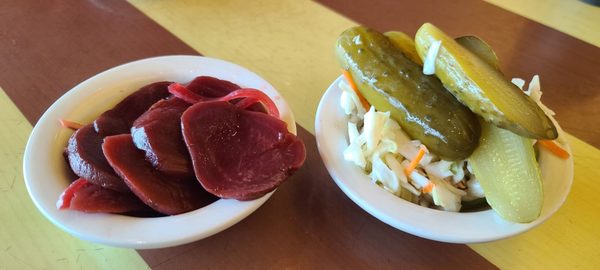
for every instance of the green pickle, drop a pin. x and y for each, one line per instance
(508, 172)
(419, 103)
(504, 162)
(406, 44)
(483, 88)
(481, 49)
(474, 44)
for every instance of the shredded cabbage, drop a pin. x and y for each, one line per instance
(379, 146)
(351, 103)
(535, 93)
(429, 63)
(373, 127)
(354, 151)
(383, 174)
(445, 195)
(439, 169)
(519, 82)
(474, 189)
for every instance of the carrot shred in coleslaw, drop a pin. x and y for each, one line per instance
(413, 164)
(555, 148)
(362, 99)
(428, 188)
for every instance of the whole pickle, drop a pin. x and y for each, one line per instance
(483, 88)
(419, 103)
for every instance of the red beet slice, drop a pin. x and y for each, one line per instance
(158, 133)
(237, 153)
(243, 98)
(162, 193)
(119, 119)
(158, 130)
(64, 200)
(211, 87)
(84, 196)
(87, 161)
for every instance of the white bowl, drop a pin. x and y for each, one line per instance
(473, 227)
(45, 169)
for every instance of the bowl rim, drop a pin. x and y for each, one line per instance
(43, 177)
(469, 227)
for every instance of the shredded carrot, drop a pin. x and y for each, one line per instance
(413, 163)
(70, 124)
(428, 188)
(362, 99)
(555, 148)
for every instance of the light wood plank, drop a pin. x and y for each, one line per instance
(573, 17)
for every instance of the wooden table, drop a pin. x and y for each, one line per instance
(47, 47)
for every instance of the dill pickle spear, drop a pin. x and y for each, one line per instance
(419, 103)
(504, 162)
(481, 49)
(508, 172)
(483, 88)
(472, 43)
(406, 44)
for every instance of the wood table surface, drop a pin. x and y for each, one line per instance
(47, 47)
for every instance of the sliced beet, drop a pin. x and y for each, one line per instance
(211, 87)
(239, 154)
(244, 98)
(119, 119)
(84, 196)
(158, 133)
(64, 200)
(84, 152)
(162, 193)
(158, 130)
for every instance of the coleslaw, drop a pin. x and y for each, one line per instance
(378, 145)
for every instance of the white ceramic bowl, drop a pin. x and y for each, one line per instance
(45, 169)
(483, 226)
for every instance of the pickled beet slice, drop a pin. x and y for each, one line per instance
(243, 98)
(84, 152)
(119, 119)
(84, 196)
(239, 154)
(211, 87)
(158, 133)
(64, 200)
(162, 193)
(158, 130)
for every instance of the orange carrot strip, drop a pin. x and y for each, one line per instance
(70, 124)
(428, 188)
(413, 164)
(362, 99)
(555, 148)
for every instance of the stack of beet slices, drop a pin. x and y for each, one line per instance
(169, 149)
